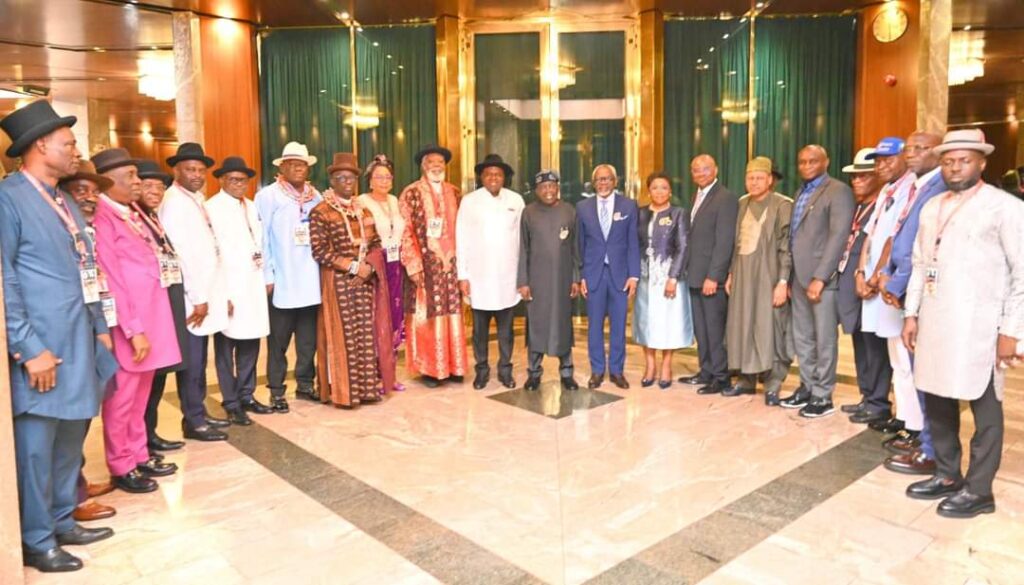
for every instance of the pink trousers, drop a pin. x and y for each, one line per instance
(124, 425)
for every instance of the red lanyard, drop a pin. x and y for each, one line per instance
(860, 218)
(245, 213)
(126, 217)
(154, 224)
(206, 216)
(942, 223)
(300, 198)
(60, 206)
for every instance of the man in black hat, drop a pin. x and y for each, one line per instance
(59, 343)
(487, 248)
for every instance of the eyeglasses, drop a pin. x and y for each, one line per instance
(237, 180)
(382, 177)
(344, 178)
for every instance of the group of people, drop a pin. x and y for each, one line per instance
(117, 274)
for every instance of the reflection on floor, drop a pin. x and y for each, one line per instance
(460, 486)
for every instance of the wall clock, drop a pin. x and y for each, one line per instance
(890, 24)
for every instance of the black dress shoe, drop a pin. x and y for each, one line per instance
(771, 399)
(156, 443)
(204, 433)
(80, 535)
(569, 383)
(865, 416)
(965, 504)
(915, 463)
(694, 380)
(134, 482)
(237, 416)
(55, 560)
(595, 381)
(430, 382)
(798, 399)
(711, 388)
(620, 381)
(737, 390)
(155, 455)
(481, 379)
(852, 408)
(818, 409)
(154, 468)
(507, 380)
(532, 384)
(279, 404)
(891, 425)
(256, 407)
(933, 488)
(217, 423)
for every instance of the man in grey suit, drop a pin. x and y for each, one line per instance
(822, 215)
(709, 250)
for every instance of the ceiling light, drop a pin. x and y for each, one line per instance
(345, 15)
(967, 28)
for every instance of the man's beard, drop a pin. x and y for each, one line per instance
(961, 186)
(435, 176)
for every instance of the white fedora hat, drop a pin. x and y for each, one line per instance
(862, 162)
(295, 151)
(969, 139)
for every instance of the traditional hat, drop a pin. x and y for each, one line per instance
(764, 165)
(545, 176)
(344, 161)
(190, 151)
(494, 160)
(888, 146)
(112, 158)
(970, 139)
(862, 162)
(28, 124)
(295, 151)
(149, 169)
(433, 149)
(87, 172)
(234, 164)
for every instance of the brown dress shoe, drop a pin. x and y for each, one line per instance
(93, 510)
(95, 490)
(595, 381)
(914, 463)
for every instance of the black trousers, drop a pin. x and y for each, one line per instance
(481, 332)
(535, 368)
(986, 444)
(193, 392)
(709, 313)
(874, 372)
(284, 323)
(235, 360)
(156, 394)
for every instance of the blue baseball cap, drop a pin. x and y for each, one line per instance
(889, 146)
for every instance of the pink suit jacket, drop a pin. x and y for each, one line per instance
(133, 275)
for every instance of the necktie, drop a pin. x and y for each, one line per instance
(606, 223)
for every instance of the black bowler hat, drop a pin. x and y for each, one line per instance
(494, 160)
(149, 169)
(234, 164)
(433, 149)
(112, 158)
(28, 124)
(190, 151)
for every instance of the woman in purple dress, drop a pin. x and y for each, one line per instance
(390, 226)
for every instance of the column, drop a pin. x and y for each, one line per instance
(933, 65)
(652, 96)
(449, 123)
(187, 73)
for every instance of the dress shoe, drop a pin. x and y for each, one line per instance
(798, 399)
(480, 380)
(217, 423)
(914, 463)
(156, 455)
(430, 382)
(933, 488)
(664, 384)
(80, 535)
(965, 504)
(863, 417)
(710, 388)
(891, 425)
(903, 441)
(156, 443)
(771, 399)
(852, 408)
(532, 383)
(204, 433)
(595, 381)
(818, 409)
(620, 381)
(134, 482)
(95, 490)
(307, 393)
(90, 510)
(279, 404)
(256, 407)
(569, 383)
(154, 468)
(55, 560)
(694, 380)
(737, 390)
(646, 382)
(237, 416)
(507, 380)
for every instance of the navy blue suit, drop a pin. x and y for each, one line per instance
(606, 265)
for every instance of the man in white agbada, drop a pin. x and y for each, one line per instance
(487, 252)
(965, 320)
(240, 235)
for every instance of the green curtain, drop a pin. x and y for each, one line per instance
(805, 81)
(706, 100)
(397, 74)
(304, 84)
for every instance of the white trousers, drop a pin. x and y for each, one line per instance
(908, 407)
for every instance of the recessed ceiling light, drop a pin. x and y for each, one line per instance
(345, 15)
(968, 27)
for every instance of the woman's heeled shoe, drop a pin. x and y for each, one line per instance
(647, 383)
(663, 384)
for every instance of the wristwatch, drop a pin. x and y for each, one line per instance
(353, 267)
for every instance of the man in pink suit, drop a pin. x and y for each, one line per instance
(137, 275)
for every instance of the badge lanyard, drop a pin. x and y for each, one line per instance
(60, 206)
(352, 212)
(158, 230)
(942, 224)
(206, 216)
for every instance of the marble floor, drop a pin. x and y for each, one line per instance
(454, 485)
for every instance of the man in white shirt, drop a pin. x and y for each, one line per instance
(487, 252)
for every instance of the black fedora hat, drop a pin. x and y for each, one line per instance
(28, 124)
(433, 149)
(494, 160)
(112, 158)
(234, 164)
(190, 151)
(149, 169)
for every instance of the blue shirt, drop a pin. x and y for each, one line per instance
(800, 205)
(901, 254)
(287, 265)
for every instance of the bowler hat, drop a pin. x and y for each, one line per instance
(112, 158)
(30, 123)
(149, 169)
(87, 172)
(494, 160)
(234, 164)
(433, 149)
(344, 161)
(190, 151)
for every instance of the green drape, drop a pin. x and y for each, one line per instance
(397, 74)
(304, 84)
(805, 81)
(705, 100)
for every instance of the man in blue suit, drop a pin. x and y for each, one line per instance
(57, 337)
(609, 271)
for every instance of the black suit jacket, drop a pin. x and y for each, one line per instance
(712, 238)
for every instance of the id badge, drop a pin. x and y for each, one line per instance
(170, 272)
(931, 279)
(434, 227)
(302, 233)
(90, 285)
(843, 261)
(109, 309)
(392, 252)
(257, 260)
(650, 251)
